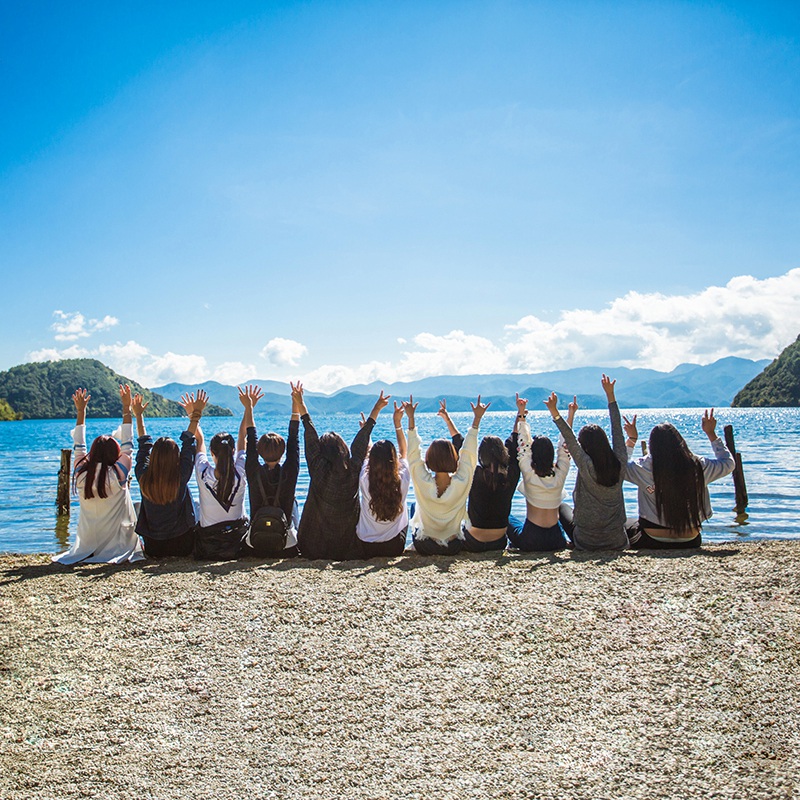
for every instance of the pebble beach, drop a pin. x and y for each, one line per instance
(568, 675)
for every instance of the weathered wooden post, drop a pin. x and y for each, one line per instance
(738, 474)
(64, 473)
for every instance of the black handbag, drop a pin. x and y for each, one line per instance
(220, 542)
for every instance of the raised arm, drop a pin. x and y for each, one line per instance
(442, 412)
(574, 448)
(360, 445)
(723, 462)
(248, 397)
(81, 399)
(478, 410)
(397, 420)
(194, 406)
(617, 437)
(138, 405)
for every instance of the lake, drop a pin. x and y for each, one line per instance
(769, 440)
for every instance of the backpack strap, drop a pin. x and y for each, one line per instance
(273, 500)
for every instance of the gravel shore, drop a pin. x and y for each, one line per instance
(601, 675)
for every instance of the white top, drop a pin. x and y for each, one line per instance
(547, 492)
(212, 511)
(370, 529)
(435, 517)
(106, 524)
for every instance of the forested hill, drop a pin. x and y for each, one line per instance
(43, 390)
(777, 385)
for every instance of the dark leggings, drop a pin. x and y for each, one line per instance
(388, 549)
(639, 540)
(180, 546)
(473, 545)
(534, 538)
(432, 547)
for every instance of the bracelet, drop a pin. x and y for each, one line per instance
(398, 427)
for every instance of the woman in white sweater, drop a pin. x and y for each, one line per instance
(542, 484)
(107, 517)
(441, 485)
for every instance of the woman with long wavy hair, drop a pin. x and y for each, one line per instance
(599, 515)
(167, 520)
(107, 517)
(384, 481)
(330, 514)
(673, 485)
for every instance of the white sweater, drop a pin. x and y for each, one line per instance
(435, 517)
(547, 492)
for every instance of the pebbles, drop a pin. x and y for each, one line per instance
(510, 676)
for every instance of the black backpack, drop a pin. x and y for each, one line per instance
(269, 527)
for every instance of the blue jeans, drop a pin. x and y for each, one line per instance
(533, 538)
(473, 545)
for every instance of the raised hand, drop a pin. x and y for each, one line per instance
(522, 405)
(608, 387)
(363, 421)
(380, 404)
(552, 404)
(244, 396)
(630, 428)
(80, 398)
(478, 410)
(709, 424)
(572, 410)
(397, 415)
(255, 393)
(298, 403)
(410, 407)
(138, 405)
(442, 412)
(125, 396)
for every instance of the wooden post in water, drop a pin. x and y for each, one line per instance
(738, 473)
(64, 472)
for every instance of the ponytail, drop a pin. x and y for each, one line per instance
(223, 447)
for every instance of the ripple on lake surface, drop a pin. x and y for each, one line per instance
(769, 440)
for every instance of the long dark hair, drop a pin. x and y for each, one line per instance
(593, 440)
(542, 456)
(385, 495)
(334, 450)
(223, 447)
(160, 482)
(678, 478)
(493, 457)
(104, 454)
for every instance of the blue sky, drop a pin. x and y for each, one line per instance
(348, 191)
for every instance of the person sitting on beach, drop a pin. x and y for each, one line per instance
(673, 485)
(221, 487)
(384, 481)
(271, 485)
(543, 486)
(599, 513)
(493, 485)
(107, 518)
(330, 514)
(441, 485)
(166, 520)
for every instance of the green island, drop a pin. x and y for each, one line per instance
(778, 385)
(43, 390)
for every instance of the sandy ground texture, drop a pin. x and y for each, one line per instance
(605, 675)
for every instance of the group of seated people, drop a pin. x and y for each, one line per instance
(356, 506)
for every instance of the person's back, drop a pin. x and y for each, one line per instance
(271, 484)
(599, 503)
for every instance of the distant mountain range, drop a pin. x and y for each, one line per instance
(686, 386)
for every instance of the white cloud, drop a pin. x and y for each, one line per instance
(72, 325)
(234, 372)
(747, 317)
(135, 361)
(283, 352)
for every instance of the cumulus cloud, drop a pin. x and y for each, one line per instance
(72, 325)
(283, 352)
(135, 361)
(234, 372)
(747, 317)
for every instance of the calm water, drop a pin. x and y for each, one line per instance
(769, 440)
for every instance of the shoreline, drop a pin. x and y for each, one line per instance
(652, 674)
